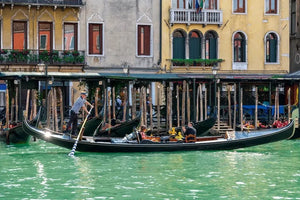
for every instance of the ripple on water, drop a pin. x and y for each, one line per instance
(44, 171)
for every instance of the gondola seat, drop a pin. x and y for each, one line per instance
(190, 138)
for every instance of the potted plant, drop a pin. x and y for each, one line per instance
(75, 53)
(3, 51)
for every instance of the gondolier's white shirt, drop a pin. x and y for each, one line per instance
(78, 104)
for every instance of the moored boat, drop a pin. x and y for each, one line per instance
(16, 134)
(203, 127)
(234, 140)
(119, 130)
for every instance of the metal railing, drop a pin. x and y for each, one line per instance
(44, 2)
(191, 16)
(34, 57)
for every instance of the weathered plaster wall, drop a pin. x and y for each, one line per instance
(120, 20)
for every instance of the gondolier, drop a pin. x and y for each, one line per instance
(80, 103)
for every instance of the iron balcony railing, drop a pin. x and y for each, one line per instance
(34, 57)
(191, 16)
(76, 3)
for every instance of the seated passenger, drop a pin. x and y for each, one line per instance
(189, 132)
(189, 129)
(138, 135)
(143, 132)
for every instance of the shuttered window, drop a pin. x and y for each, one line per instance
(194, 45)
(178, 45)
(19, 35)
(95, 39)
(271, 48)
(144, 38)
(210, 45)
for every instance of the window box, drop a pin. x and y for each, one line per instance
(195, 62)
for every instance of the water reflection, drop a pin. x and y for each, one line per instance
(42, 178)
(263, 172)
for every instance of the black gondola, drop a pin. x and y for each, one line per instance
(119, 130)
(235, 141)
(203, 127)
(17, 135)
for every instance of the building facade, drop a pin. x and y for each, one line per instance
(34, 32)
(120, 35)
(295, 36)
(237, 36)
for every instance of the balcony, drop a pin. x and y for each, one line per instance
(191, 16)
(56, 3)
(34, 57)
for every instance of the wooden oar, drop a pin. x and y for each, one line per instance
(79, 135)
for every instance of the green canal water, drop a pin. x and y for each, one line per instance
(43, 171)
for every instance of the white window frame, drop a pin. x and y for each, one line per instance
(88, 40)
(63, 33)
(265, 9)
(238, 13)
(239, 65)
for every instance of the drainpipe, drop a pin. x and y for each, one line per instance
(20, 117)
(194, 99)
(160, 33)
(270, 102)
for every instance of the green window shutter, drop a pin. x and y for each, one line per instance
(273, 50)
(195, 48)
(179, 48)
(212, 48)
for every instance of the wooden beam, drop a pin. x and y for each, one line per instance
(27, 104)
(7, 108)
(201, 102)
(183, 104)
(133, 108)
(178, 110)
(150, 107)
(256, 108)
(234, 107)
(219, 107)
(289, 104)
(114, 102)
(188, 102)
(205, 102)
(61, 108)
(96, 101)
(17, 103)
(241, 108)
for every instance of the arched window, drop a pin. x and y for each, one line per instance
(195, 45)
(239, 47)
(271, 48)
(211, 45)
(178, 45)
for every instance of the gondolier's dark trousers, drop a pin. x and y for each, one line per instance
(73, 121)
